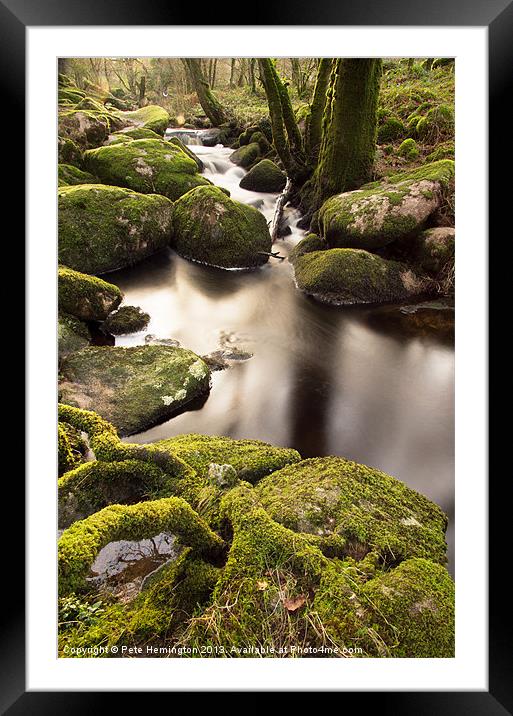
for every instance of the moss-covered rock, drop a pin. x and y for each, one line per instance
(127, 319)
(371, 511)
(133, 388)
(178, 143)
(433, 249)
(71, 447)
(72, 335)
(69, 152)
(211, 228)
(383, 212)
(103, 228)
(311, 242)
(349, 276)
(445, 150)
(70, 175)
(86, 297)
(246, 155)
(264, 176)
(438, 124)
(407, 612)
(145, 165)
(70, 95)
(150, 117)
(408, 149)
(251, 459)
(85, 127)
(138, 133)
(80, 543)
(391, 130)
(260, 139)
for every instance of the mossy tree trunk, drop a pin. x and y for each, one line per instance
(348, 145)
(314, 126)
(286, 135)
(209, 102)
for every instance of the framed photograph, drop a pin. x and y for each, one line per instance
(257, 301)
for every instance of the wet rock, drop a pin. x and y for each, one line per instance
(149, 166)
(221, 359)
(351, 276)
(151, 117)
(127, 319)
(432, 319)
(104, 228)
(245, 156)
(153, 339)
(211, 228)
(383, 212)
(133, 388)
(265, 177)
(86, 297)
(210, 137)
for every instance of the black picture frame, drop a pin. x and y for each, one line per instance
(497, 16)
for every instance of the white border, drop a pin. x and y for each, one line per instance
(468, 671)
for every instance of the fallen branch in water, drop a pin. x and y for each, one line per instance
(278, 212)
(272, 254)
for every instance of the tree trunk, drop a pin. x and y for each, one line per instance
(314, 126)
(293, 162)
(348, 144)
(232, 72)
(210, 104)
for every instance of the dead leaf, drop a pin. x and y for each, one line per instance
(292, 604)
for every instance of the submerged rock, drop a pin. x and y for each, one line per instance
(149, 166)
(370, 510)
(86, 297)
(211, 228)
(264, 176)
(104, 228)
(383, 212)
(350, 276)
(133, 388)
(127, 319)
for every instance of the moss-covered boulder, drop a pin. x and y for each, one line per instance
(438, 124)
(127, 319)
(178, 143)
(350, 276)
(445, 150)
(85, 127)
(104, 228)
(383, 212)
(264, 176)
(311, 242)
(251, 459)
(391, 130)
(260, 139)
(138, 133)
(211, 228)
(133, 388)
(370, 510)
(246, 155)
(146, 165)
(70, 175)
(72, 335)
(151, 117)
(433, 249)
(86, 297)
(69, 152)
(71, 447)
(408, 150)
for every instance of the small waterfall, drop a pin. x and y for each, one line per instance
(187, 136)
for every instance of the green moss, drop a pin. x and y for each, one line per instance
(69, 152)
(72, 334)
(211, 228)
(264, 177)
(86, 297)
(409, 150)
(433, 250)
(391, 130)
(178, 143)
(88, 128)
(310, 243)
(349, 276)
(442, 151)
(80, 543)
(104, 228)
(382, 212)
(146, 165)
(150, 117)
(251, 459)
(70, 95)
(127, 319)
(70, 175)
(407, 612)
(372, 511)
(94, 485)
(260, 139)
(246, 155)
(91, 104)
(138, 133)
(438, 124)
(71, 447)
(134, 388)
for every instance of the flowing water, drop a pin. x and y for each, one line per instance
(372, 384)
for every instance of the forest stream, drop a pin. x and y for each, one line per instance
(368, 383)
